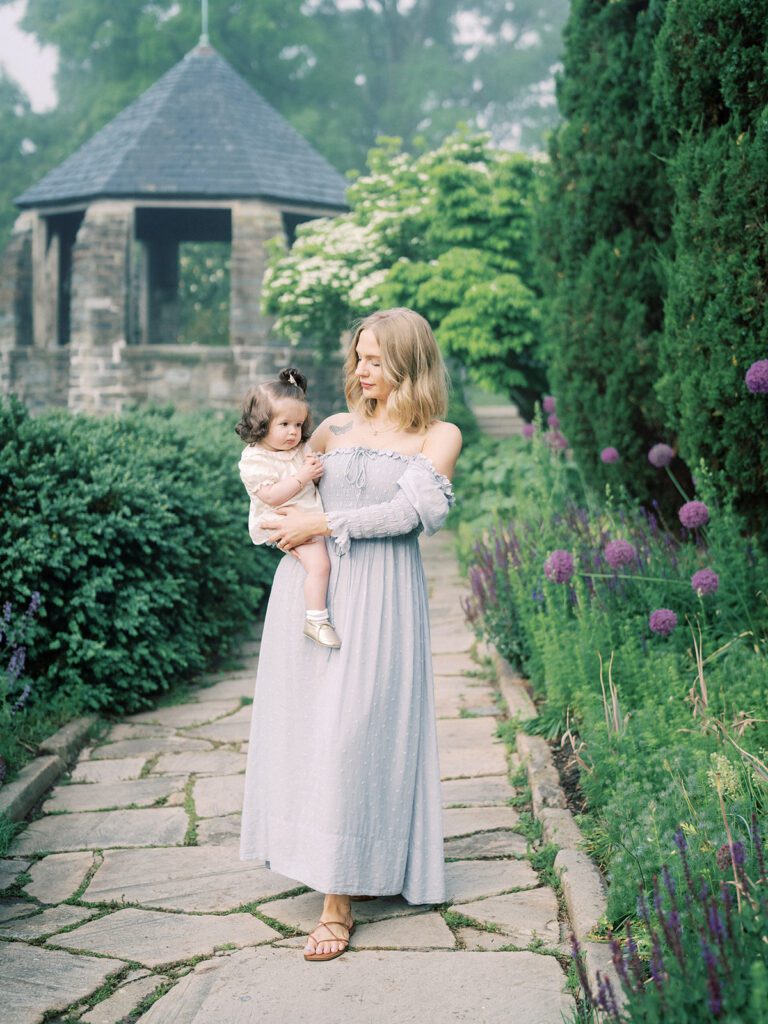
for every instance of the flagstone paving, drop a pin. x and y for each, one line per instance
(132, 869)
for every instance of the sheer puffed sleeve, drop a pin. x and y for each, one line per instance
(423, 501)
(257, 470)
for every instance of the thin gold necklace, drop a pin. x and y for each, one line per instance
(384, 430)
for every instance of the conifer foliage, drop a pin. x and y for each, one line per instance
(711, 86)
(602, 227)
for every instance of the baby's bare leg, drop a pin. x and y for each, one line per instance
(314, 557)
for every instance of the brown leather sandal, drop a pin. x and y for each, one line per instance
(334, 938)
(361, 899)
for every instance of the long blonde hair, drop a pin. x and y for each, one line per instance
(411, 364)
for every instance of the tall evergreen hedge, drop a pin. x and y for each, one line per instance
(711, 85)
(603, 224)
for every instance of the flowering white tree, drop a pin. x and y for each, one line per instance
(448, 233)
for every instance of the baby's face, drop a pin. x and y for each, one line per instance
(288, 415)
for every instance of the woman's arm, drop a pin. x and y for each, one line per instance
(442, 447)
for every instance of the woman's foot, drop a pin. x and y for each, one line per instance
(331, 936)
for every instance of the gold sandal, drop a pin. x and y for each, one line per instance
(334, 938)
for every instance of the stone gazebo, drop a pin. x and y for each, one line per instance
(89, 280)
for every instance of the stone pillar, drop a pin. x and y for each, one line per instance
(15, 299)
(99, 308)
(254, 223)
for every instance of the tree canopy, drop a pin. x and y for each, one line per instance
(342, 73)
(447, 233)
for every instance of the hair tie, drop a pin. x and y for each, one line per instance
(290, 378)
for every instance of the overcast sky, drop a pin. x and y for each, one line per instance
(32, 66)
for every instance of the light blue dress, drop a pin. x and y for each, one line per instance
(342, 787)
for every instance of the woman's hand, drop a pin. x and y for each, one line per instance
(297, 527)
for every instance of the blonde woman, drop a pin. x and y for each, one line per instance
(342, 788)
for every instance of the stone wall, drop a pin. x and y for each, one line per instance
(198, 376)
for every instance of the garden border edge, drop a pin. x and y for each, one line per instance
(583, 886)
(33, 781)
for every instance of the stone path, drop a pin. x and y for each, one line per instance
(126, 901)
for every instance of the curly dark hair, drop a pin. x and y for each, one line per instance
(258, 405)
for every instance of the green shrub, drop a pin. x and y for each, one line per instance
(133, 531)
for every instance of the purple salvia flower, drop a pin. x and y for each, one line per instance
(634, 958)
(693, 514)
(21, 700)
(7, 611)
(682, 845)
(609, 455)
(581, 969)
(662, 621)
(758, 843)
(756, 377)
(619, 553)
(705, 581)
(726, 896)
(549, 404)
(34, 604)
(606, 1000)
(17, 662)
(559, 566)
(715, 998)
(660, 455)
(619, 962)
(656, 965)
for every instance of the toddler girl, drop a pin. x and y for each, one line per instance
(278, 468)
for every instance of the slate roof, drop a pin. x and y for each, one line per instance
(201, 131)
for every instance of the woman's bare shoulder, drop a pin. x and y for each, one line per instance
(338, 423)
(442, 446)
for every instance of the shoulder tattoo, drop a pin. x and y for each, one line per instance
(341, 428)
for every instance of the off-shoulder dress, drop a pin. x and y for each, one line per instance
(342, 786)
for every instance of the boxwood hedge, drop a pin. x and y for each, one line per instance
(133, 531)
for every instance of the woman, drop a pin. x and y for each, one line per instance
(342, 788)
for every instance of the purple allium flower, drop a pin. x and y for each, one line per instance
(660, 455)
(529, 429)
(549, 404)
(756, 377)
(553, 420)
(609, 455)
(559, 566)
(662, 621)
(619, 552)
(693, 514)
(723, 857)
(556, 440)
(705, 581)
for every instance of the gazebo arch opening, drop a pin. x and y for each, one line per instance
(177, 251)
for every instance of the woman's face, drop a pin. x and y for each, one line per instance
(368, 370)
(284, 433)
